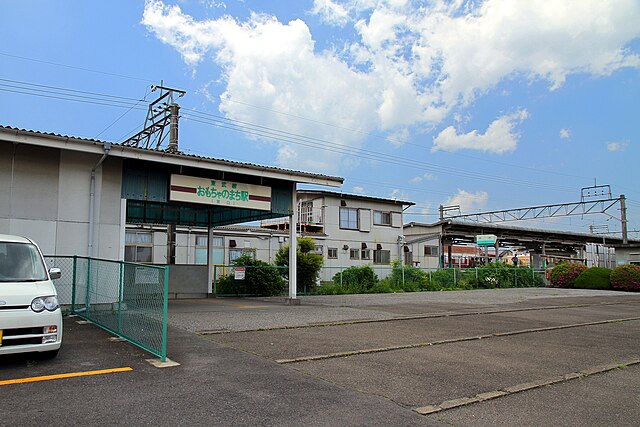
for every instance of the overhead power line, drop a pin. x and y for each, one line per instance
(254, 130)
(57, 64)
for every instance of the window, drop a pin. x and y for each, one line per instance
(138, 246)
(332, 253)
(306, 212)
(431, 251)
(201, 249)
(381, 218)
(354, 253)
(349, 218)
(237, 253)
(381, 256)
(365, 254)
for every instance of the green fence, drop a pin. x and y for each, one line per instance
(271, 280)
(129, 300)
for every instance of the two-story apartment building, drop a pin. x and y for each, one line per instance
(349, 229)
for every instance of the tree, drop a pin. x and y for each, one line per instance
(309, 263)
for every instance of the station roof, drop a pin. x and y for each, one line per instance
(465, 231)
(89, 145)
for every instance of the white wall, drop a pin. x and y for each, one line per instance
(44, 195)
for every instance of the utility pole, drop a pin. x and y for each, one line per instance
(173, 128)
(162, 112)
(623, 219)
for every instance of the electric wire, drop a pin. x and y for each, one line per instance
(307, 141)
(284, 113)
(54, 92)
(144, 98)
(57, 64)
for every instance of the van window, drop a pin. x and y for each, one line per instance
(21, 262)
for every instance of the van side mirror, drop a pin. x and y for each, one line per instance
(55, 273)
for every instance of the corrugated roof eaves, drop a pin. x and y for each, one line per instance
(182, 154)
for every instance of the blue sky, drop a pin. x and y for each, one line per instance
(484, 104)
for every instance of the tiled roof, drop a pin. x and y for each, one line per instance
(178, 154)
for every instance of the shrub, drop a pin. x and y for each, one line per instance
(308, 263)
(626, 278)
(404, 278)
(356, 280)
(260, 279)
(594, 278)
(330, 289)
(442, 279)
(564, 274)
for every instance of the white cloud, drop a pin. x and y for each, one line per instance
(500, 137)
(330, 12)
(565, 133)
(358, 190)
(411, 64)
(468, 202)
(399, 137)
(617, 146)
(424, 177)
(397, 194)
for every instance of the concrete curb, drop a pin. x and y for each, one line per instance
(450, 341)
(412, 317)
(518, 388)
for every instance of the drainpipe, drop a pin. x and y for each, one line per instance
(92, 197)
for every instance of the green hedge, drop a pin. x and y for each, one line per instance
(594, 278)
(355, 280)
(261, 279)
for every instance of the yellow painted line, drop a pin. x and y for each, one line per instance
(61, 376)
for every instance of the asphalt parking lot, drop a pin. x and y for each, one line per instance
(500, 357)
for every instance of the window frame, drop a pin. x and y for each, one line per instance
(347, 223)
(379, 216)
(379, 256)
(434, 251)
(138, 245)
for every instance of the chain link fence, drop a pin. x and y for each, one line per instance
(269, 280)
(129, 300)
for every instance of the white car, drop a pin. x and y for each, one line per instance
(30, 316)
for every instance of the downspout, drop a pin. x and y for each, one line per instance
(92, 197)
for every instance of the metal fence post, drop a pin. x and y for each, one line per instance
(215, 280)
(73, 284)
(87, 299)
(455, 282)
(120, 296)
(165, 314)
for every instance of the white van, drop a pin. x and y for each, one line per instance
(30, 316)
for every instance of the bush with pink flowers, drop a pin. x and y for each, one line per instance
(626, 278)
(565, 274)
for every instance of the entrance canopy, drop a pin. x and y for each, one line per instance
(209, 195)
